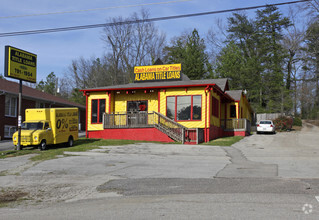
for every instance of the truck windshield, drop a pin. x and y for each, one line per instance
(32, 126)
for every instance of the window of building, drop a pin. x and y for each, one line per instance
(11, 106)
(233, 111)
(136, 106)
(98, 108)
(170, 107)
(9, 130)
(184, 108)
(215, 107)
(40, 105)
(197, 107)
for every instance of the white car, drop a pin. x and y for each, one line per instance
(266, 126)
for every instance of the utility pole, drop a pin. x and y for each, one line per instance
(19, 116)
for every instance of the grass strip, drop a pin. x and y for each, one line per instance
(83, 144)
(224, 141)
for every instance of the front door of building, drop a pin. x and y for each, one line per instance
(137, 113)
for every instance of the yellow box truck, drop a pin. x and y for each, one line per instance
(48, 126)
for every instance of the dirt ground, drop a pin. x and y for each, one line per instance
(313, 122)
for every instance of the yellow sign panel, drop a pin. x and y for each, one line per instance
(157, 72)
(20, 64)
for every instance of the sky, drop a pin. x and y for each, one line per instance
(55, 51)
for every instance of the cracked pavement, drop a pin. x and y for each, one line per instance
(268, 176)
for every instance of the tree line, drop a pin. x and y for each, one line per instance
(272, 56)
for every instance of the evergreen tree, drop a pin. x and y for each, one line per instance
(312, 49)
(259, 70)
(243, 45)
(190, 51)
(231, 64)
(270, 24)
(77, 96)
(49, 85)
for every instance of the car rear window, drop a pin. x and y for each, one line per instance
(265, 122)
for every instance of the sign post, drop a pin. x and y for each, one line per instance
(21, 65)
(19, 116)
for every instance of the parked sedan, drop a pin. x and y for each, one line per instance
(266, 126)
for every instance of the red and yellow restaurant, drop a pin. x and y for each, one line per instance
(164, 105)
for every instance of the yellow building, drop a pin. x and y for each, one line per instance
(164, 105)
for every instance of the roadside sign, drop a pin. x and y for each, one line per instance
(20, 64)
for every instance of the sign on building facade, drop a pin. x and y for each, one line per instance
(157, 73)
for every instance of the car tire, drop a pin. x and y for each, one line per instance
(43, 145)
(70, 142)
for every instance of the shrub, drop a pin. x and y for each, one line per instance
(297, 121)
(283, 123)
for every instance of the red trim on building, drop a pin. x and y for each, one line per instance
(152, 87)
(235, 133)
(110, 102)
(159, 100)
(215, 132)
(86, 116)
(210, 111)
(206, 135)
(138, 134)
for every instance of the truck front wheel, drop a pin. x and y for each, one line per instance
(70, 141)
(43, 145)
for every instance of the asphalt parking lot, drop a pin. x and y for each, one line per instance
(260, 177)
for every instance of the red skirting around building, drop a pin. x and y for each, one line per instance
(137, 134)
(235, 133)
(215, 132)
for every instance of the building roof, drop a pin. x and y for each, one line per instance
(11, 87)
(221, 83)
(235, 94)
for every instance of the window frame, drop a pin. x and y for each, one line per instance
(10, 106)
(215, 107)
(9, 127)
(136, 101)
(98, 120)
(192, 108)
(40, 104)
(230, 111)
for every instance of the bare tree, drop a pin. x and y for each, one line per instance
(88, 73)
(312, 7)
(293, 42)
(131, 44)
(215, 39)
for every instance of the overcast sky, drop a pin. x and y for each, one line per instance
(55, 51)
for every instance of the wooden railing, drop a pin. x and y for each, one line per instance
(241, 124)
(168, 126)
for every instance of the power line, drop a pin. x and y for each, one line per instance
(94, 9)
(51, 30)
